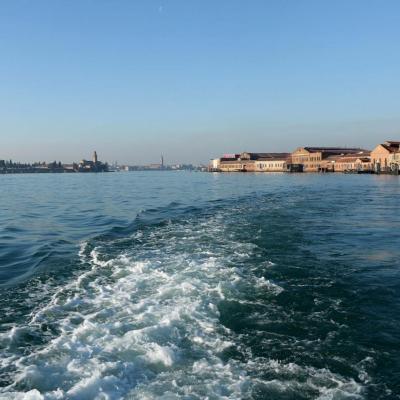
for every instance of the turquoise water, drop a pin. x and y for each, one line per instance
(174, 285)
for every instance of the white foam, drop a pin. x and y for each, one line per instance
(267, 284)
(160, 354)
(145, 324)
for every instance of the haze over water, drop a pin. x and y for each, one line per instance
(190, 286)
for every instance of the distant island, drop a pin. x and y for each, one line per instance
(94, 165)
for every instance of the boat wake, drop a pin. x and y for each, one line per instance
(143, 321)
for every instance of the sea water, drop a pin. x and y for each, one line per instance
(178, 285)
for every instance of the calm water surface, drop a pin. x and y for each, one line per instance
(170, 285)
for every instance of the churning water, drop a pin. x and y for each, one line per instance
(161, 285)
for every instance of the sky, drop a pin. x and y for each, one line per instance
(194, 79)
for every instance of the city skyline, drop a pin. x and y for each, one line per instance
(191, 81)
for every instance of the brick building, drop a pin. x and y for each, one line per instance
(385, 157)
(316, 159)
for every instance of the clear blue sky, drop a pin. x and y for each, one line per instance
(192, 79)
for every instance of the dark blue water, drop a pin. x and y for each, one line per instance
(164, 285)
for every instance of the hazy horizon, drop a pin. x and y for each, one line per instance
(133, 80)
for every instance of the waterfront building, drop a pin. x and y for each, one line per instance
(314, 159)
(354, 163)
(237, 166)
(259, 156)
(359, 162)
(250, 162)
(385, 157)
(234, 163)
(227, 163)
(394, 162)
(328, 164)
(247, 161)
(275, 163)
(214, 165)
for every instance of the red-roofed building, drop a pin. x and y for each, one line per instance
(386, 157)
(315, 159)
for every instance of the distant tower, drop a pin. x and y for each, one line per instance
(95, 157)
(162, 161)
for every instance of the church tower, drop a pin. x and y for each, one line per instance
(95, 157)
